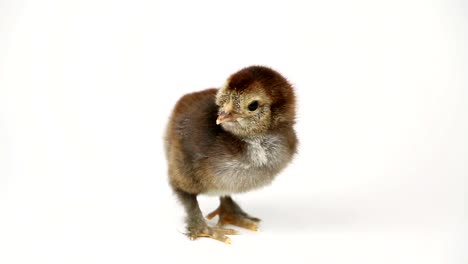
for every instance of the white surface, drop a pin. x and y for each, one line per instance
(86, 88)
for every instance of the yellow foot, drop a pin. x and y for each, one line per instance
(216, 233)
(231, 214)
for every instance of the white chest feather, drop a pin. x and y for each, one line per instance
(263, 159)
(258, 152)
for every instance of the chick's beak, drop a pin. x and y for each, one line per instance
(223, 117)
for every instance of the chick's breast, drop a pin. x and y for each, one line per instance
(261, 160)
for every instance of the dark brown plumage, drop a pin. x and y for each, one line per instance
(230, 140)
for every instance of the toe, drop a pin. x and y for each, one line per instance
(216, 233)
(249, 224)
(225, 231)
(240, 222)
(213, 214)
(221, 237)
(255, 219)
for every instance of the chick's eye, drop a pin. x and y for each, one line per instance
(253, 106)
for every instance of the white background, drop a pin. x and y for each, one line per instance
(86, 88)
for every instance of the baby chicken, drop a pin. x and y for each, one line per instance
(230, 140)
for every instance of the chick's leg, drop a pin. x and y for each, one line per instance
(196, 225)
(230, 213)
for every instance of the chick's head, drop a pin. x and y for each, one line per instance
(255, 100)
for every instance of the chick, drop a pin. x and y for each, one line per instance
(230, 140)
